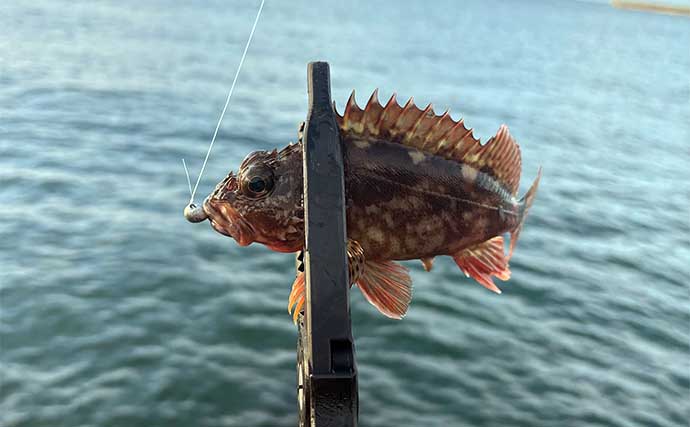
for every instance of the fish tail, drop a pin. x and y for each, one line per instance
(524, 204)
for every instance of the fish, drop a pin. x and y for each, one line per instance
(417, 185)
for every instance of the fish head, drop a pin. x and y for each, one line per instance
(263, 202)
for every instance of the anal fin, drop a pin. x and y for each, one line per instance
(484, 260)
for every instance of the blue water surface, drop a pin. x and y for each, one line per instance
(115, 311)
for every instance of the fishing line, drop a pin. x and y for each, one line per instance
(227, 101)
(189, 183)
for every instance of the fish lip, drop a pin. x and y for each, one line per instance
(228, 222)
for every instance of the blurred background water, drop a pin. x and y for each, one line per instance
(116, 312)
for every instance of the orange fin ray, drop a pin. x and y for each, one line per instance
(406, 124)
(387, 286)
(297, 296)
(484, 260)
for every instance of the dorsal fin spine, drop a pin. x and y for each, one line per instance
(397, 125)
(386, 109)
(430, 134)
(374, 98)
(350, 108)
(372, 113)
(429, 108)
(446, 143)
(418, 122)
(459, 147)
(443, 140)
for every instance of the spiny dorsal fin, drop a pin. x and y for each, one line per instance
(438, 135)
(408, 125)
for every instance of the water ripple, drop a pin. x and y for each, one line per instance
(115, 311)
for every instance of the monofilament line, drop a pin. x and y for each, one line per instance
(189, 183)
(227, 101)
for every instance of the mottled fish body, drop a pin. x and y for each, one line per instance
(417, 185)
(405, 204)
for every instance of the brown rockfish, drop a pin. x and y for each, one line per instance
(418, 185)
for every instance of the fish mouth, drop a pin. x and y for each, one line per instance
(228, 222)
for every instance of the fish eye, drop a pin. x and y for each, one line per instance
(259, 185)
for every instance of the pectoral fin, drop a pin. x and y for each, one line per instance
(297, 296)
(356, 264)
(387, 286)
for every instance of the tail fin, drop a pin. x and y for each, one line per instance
(525, 204)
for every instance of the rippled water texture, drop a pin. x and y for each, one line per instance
(117, 312)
